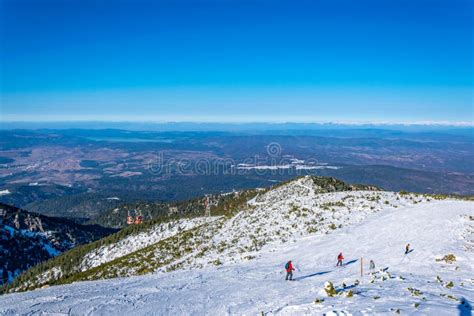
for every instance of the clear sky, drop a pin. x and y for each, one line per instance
(228, 60)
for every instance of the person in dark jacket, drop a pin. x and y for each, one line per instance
(340, 257)
(407, 248)
(289, 270)
(372, 265)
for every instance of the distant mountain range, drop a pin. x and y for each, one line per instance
(82, 174)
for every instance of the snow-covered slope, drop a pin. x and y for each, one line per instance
(234, 264)
(308, 205)
(139, 241)
(413, 284)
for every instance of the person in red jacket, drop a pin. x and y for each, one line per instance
(340, 257)
(289, 270)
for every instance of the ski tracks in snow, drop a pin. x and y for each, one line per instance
(257, 286)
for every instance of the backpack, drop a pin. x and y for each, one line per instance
(287, 265)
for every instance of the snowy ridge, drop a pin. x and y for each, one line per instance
(139, 241)
(27, 239)
(423, 282)
(283, 214)
(292, 211)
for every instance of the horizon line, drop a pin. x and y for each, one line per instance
(249, 122)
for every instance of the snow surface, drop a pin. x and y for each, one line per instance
(433, 229)
(287, 166)
(53, 252)
(113, 198)
(139, 241)
(281, 215)
(10, 229)
(42, 238)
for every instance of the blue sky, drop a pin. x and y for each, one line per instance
(311, 61)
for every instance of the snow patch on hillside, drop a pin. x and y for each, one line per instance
(139, 241)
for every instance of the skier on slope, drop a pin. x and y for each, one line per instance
(289, 270)
(372, 265)
(407, 249)
(340, 257)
